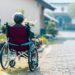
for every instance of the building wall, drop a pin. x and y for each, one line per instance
(64, 21)
(32, 11)
(60, 1)
(61, 7)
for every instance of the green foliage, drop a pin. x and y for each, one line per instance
(2, 38)
(71, 10)
(3, 29)
(44, 40)
(51, 28)
(42, 32)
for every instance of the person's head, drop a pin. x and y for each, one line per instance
(18, 18)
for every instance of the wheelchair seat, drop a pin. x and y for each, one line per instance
(18, 36)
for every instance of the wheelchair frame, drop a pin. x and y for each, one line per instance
(32, 60)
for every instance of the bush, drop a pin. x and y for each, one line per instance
(2, 38)
(44, 40)
(3, 29)
(51, 28)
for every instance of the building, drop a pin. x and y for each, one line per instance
(33, 11)
(64, 20)
(61, 14)
(61, 7)
(64, 13)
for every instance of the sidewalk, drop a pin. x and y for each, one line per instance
(21, 67)
(57, 59)
(60, 60)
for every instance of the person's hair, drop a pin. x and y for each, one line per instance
(18, 18)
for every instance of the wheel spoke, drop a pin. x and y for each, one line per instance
(5, 57)
(33, 58)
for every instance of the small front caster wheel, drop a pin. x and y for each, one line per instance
(12, 63)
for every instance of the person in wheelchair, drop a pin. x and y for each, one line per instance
(19, 34)
(19, 40)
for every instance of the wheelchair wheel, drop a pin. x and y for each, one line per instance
(33, 59)
(12, 63)
(4, 57)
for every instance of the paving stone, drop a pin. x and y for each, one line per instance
(60, 60)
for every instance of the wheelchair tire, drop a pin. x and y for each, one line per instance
(12, 63)
(4, 57)
(33, 60)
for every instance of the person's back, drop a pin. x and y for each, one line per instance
(17, 34)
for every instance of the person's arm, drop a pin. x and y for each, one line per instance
(28, 29)
(7, 29)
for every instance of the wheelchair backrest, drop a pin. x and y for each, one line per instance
(17, 35)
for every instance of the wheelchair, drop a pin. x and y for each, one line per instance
(8, 55)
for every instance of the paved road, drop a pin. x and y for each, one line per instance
(57, 59)
(66, 34)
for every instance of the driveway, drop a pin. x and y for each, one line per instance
(57, 59)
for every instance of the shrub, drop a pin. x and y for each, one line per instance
(2, 38)
(51, 28)
(44, 40)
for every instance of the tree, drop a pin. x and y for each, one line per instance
(71, 10)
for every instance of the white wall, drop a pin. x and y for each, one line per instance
(59, 7)
(30, 7)
(60, 1)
